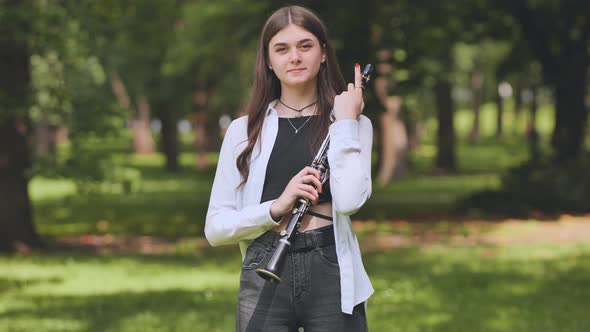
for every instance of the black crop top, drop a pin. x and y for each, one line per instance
(290, 154)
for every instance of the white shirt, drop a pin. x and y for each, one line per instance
(235, 215)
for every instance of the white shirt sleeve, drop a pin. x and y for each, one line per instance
(225, 224)
(349, 156)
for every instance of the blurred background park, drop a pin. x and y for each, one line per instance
(112, 114)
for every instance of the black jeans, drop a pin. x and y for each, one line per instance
(309, 294)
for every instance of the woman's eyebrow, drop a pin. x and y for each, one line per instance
(299, 42)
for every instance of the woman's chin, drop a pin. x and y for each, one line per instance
(299, 83)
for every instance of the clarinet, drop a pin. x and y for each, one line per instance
(271, 272)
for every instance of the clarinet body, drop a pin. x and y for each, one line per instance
(271, 272)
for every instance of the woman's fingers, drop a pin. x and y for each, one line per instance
(358, 78)
(311, 179)
(309, 192)
(308, 184)
(309, 170)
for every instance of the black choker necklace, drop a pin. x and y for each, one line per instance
(297, 110)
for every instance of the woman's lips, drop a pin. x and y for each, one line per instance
(297, 70)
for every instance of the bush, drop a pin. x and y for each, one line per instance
(95, 173)
(544, 186)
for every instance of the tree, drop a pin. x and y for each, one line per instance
(131, 39)
(15, 161)
(558, 34)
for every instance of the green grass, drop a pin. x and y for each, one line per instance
(436, 288)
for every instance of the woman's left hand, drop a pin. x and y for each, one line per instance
(350, 104)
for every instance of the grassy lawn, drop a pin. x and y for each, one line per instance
(435, 288)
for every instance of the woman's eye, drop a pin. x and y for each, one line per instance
(279, 50)
(306, 46)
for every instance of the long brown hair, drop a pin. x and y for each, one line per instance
(267, 87)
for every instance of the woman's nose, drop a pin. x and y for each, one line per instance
(295, 56)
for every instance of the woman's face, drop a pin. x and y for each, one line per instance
(295, 56)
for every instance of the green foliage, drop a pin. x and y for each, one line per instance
(215, 44)
(94, 171)
(14, 53)
(129, 178)
(50, 104)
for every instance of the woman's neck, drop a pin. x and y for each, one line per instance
(297, 98)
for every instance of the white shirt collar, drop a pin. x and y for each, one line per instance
(270, 109)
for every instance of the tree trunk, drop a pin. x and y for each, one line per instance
(16, 219)
(476, 83)
(46, 140)
(17, 230)
(517, 100)
(445, 157)
(168, 136)
(566, 69)
(140, 123)
(393, 161)
(199, 120)
(200, 138)
(570, 113)
(394, 142)
(142, 133)
(499, 115)
(532, 134)
(518, 106)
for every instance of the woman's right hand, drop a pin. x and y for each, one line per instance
(305, 184)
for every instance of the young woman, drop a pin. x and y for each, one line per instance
(264, 169)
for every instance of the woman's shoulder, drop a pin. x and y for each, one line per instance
(238, 127)
(242, 121)
(364, 120)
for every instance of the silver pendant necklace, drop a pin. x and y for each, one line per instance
(298, 111)
(298, 129)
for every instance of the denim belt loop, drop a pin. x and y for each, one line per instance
(309, 240)
(313, 242)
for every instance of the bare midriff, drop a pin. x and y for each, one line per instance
(310, 222)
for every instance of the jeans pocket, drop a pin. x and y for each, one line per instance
(329, 256)
(255, 255)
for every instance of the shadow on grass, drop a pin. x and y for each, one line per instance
(416, 292)
(225, 258)
(8, 284)
(170, 310)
